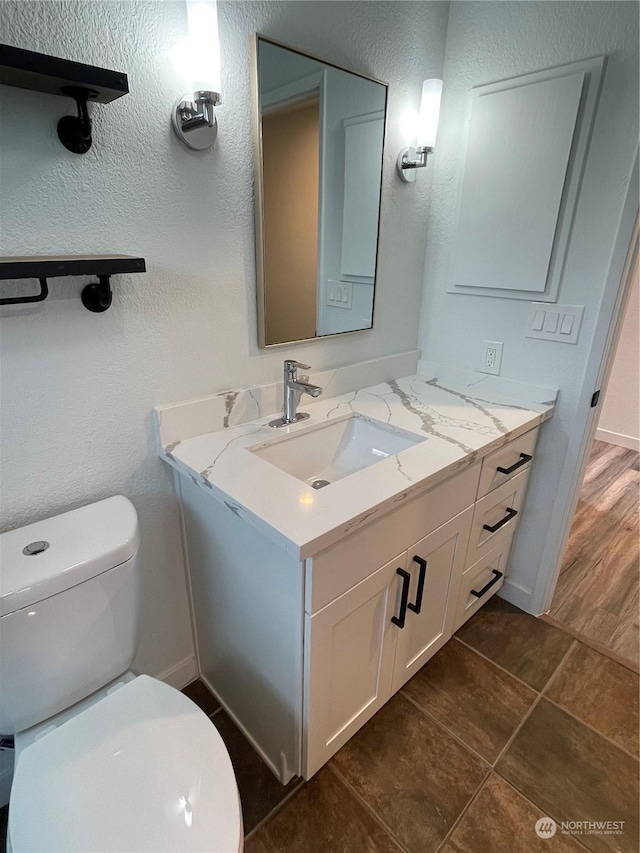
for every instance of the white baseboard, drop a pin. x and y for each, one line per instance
(618, 438)
(181, 674)
(516, 595)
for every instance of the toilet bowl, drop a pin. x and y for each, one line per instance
(129, 765)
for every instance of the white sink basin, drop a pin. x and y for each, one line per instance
(322, 454)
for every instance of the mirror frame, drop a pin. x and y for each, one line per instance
(259, 193)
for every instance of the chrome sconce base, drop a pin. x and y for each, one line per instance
(410, 159)
(194, 121)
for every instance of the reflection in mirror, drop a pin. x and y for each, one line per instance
(320, 137)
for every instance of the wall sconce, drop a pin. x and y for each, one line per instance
(412, 158)
(197, 59)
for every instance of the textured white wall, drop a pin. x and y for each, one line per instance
(489, 41)
(619, 421)
(78, 388)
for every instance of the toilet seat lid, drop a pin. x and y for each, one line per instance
(143, 769)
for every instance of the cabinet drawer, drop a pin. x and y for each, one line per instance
(507, 462)
(336, 569)
(496, 514)
(482, 580)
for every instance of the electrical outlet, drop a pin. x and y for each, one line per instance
(492, 361)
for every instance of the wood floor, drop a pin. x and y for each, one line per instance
(597, 595)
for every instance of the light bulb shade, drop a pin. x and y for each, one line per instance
(429, 113)
(203, 45)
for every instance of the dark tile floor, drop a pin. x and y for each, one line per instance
(511, 721)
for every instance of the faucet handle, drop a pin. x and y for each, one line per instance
(291, 363)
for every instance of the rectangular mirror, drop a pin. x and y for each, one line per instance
(319, 141)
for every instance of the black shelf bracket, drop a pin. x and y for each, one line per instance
(96, 296)
(40, 72)
(75, 131)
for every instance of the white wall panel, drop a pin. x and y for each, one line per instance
(517, 156)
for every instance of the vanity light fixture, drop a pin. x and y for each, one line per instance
(415, 157)
(197, 59)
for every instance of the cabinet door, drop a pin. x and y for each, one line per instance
(435, 563)
(349, 656)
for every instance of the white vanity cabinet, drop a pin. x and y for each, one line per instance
(302, 654)
(365, 645)
(501, 490)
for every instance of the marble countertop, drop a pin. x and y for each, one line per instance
(460, 423)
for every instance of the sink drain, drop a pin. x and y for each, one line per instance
(320, 484)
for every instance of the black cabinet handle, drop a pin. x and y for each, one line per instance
(417, 605)
(494, 580)
(524, 458)
(511, 513)
(406, 580)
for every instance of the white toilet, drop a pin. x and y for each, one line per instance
(104, 760)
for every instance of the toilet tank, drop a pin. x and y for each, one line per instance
(68, 609)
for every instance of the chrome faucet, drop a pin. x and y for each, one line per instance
(293, 388)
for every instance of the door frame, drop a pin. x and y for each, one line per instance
(597, 370)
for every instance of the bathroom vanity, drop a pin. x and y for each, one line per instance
(313, 606)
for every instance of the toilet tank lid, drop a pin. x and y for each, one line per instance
(67, 550)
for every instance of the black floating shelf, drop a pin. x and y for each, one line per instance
(40, 72)
(51, 266)
(96, 296)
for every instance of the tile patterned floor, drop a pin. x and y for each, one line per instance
(511, 721)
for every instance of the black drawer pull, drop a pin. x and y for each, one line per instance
(524, 458)
(406, 580)
(511, 513)
(417, 605)
(494, 580)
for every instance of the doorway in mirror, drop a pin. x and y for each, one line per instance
(319, 143)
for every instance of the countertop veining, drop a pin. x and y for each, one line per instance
(461, 424)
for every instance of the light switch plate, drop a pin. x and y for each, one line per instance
(553, 322)
(339, 294)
